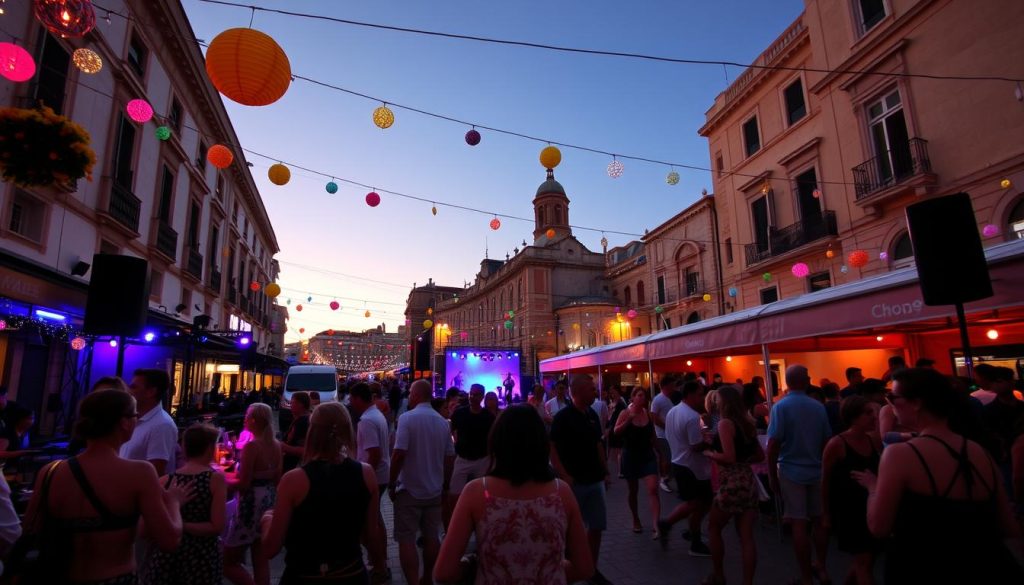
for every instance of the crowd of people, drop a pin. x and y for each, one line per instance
(923, 470)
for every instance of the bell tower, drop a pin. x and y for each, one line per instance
(551, 211)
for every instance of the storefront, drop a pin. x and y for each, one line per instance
(859, 324)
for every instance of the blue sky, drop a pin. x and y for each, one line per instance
(620, 105)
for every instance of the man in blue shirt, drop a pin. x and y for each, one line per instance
(797, 435)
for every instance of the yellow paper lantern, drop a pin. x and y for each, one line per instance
(367, 314)
(430, 311)
(706, 297)
(383, 117)
(87, 61)
(248, 67)
(550, 157)
(279, 174)
(272, 290)
(427, 324)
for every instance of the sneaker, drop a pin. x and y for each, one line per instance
(599, 579)
(699, 549)
(663, 531)
(664, 486)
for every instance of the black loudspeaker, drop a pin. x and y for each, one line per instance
(118, 296)
(947, 249)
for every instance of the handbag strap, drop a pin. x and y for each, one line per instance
(90, 494)
(43, 509)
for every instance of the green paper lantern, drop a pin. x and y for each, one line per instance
(508, 324)
(163, 133)
(659, 309)
(767, 276)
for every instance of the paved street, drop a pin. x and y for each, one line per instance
(628, 558)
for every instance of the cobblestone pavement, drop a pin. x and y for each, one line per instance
(628, 558)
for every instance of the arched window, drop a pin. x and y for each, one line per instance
(1016, 221)
(641, 298)
(558, 215)
(902, 251)
(627, 296)
(591, 338)
(693, 318)
(540, 216)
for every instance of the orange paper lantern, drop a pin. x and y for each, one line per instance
(248, 67)
(550, 234)
(279, 174)
(858, 259)
(220, 156)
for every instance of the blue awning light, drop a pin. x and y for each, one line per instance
(50, 315)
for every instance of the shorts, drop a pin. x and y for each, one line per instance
(800, 501)
(664, 451)
(465, 471)
(414, 516)
(590, 497)
(690, 488)
(638, 466)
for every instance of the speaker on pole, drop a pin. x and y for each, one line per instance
(947, 250)
(118, 296)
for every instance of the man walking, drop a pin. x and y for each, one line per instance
(421, 467)
(660, 407)
(471, 425)
(372, 443)
(156, 436)
(556, 404)
(577, 454)
(690, 466)
(797, 435)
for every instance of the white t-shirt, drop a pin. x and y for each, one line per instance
(554, 405)
(683, 431)
(985, 396)
(601, 408)
(373, 432)
(660, 406)
(155, 437)
(426, 438)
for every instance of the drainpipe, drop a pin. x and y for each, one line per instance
(718, 257)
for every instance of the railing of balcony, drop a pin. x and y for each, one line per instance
(232, 295)
(215, 279)
(892, 167)
(124, 207)
(792, 237)
(166, 239)
(195, 263)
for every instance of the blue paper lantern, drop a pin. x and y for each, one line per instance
(732, 291)
(332, 187)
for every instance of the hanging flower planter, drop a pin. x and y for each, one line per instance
(39, 148)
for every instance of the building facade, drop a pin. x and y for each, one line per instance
(817, 151)
(373, 350)
(204, 232)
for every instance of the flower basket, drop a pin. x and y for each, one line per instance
(39, 148)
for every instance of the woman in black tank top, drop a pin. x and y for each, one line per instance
(939, 496)
(325, 507)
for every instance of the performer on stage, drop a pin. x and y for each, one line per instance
(509, 385)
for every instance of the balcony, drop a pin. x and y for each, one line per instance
(895, 167)
(792, 237)
(215, 279)
(243, 303)
(195, 263)
(166, 239)
(232, 296)
(124, 207)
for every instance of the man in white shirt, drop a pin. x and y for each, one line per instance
(660, 407)
(156, 436)
(372, 441)
(691, 467)
(10, 523)
(557, 403)
(983, 376)
(421, 469)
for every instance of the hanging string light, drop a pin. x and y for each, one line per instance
(672, 178)
(66, 18)
(495, 223)
(383, 117)
(139, 110)
(87, 61)
(615, 168)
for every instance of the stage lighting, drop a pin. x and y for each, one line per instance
(113, 343)
(454, 354)
(49, 315)
(244, 341)
(516, 354)
(499, 356)
(149, 336)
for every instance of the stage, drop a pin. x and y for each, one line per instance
(492, 368)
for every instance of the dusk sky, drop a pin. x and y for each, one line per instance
(336, 247)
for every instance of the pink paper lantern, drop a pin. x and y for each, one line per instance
(990, 230)
(800, 270)
(335, 305)
(372, 199)
(631, 313)
(463, 335)
(140, 111)
(16, 63)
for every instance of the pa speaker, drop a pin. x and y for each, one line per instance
(118, 296)
(947, 249)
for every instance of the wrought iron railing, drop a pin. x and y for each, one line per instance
(791, 237)
(124, 207)
(215, 279)
(166, 239)
(195, 263)
(892, 167)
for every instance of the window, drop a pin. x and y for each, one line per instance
(728, 251)
(156, 283)
(201, 159)
(1017, 220)
(214, 244)
(796, 108)
(808, 197)
(890, 138)
(137, 56)
(751, 136)
(693, 318)
(186, 300)
(719, 165)
(769, 295)
(219, 191)
(871, 13)
(558, 215)
(175, 117)
(628, 296)
(122, 170)
(902, 251)
(692, 280)
(193, 225)
(819, 281)
(53, 74)
(641, 298)
(661, 290)
(540, 217)
(759, 216)
(107, 247)
(27, 216)
(166, 196)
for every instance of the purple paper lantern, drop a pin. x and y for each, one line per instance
(990, 230)
(472, 137)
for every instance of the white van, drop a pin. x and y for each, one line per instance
(322, 379)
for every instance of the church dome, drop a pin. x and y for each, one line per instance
(550, 186)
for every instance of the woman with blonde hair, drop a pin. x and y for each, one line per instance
(255, 482)
(325, 507)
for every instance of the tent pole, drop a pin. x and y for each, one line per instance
(650, 376)
(766, 358)
(965, 340)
